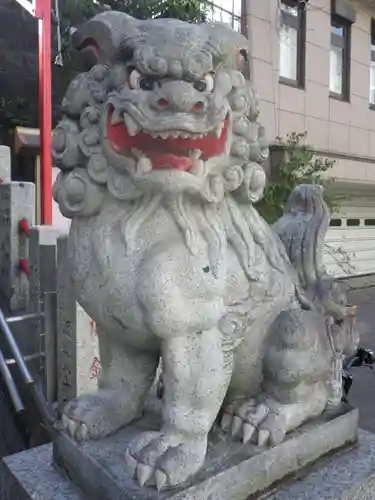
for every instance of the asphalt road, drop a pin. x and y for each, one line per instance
(362, 393)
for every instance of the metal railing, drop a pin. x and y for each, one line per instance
(46, 414)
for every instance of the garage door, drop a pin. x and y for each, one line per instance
(350, 241)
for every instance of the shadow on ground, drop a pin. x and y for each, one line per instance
(363, 391)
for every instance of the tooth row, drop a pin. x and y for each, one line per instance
(133, 128)
(144, 164)
(176, 135)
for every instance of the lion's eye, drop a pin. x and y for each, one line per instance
(206, 85)
(138, 81)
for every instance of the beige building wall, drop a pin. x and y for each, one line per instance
(344, 129)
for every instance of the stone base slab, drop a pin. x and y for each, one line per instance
(31, 475)
(348, 474)
(232, 471)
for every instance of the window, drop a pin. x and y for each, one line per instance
(292, 43)
(369, 222)
(352, 222)
(372, 65)
(335, 223)
(225, 11)
(339, 58)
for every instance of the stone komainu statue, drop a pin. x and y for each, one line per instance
(160, 154)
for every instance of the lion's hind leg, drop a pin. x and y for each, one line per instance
(296, 368)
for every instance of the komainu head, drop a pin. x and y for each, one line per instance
(164, 106)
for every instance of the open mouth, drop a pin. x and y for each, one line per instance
(168, 149)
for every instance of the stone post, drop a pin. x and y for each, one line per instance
(66, 329)
(17, 203)
(5, 164)
(43, 298)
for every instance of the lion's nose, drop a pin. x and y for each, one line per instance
(164, 104)
(198, 106)
(178, 97)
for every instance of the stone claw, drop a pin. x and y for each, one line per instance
(94, 416)
(226, 422)
(248, 432)
(164, 458)
(130, 462)
(161, 480)
(236, 425)
(82, 433)
(144, 473)
(77, 430)
(263, 437)
(250, 421)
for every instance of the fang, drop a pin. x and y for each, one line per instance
(131, 125)
(116, 117)
(218, 130)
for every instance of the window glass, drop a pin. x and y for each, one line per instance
(335, 223)
(288, 52)
(336, 70)
(226, 11)
(289, 9)
(372, 64)
(237, 24)
(352, 222)
(292, 44)
(337, 30)
(339, 58)
(372, 82)
(233, 6)
(222, 16)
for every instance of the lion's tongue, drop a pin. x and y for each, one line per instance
(165, 160)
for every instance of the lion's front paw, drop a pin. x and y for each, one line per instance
(93, 416)
(165, 458)
(262, 423)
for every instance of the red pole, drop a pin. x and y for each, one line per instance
(43, 12)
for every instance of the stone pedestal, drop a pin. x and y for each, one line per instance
(231, 472)
(349, 475)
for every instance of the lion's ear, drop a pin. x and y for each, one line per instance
(243, 62)
(228, 46)
(98, 40)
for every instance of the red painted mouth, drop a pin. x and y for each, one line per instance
(171, 152)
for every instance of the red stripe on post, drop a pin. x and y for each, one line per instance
(24, 226)
(24, 266)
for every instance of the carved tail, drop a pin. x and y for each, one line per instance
(302, 230)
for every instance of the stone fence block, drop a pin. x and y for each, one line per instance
(5, 164)
(17, 202)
